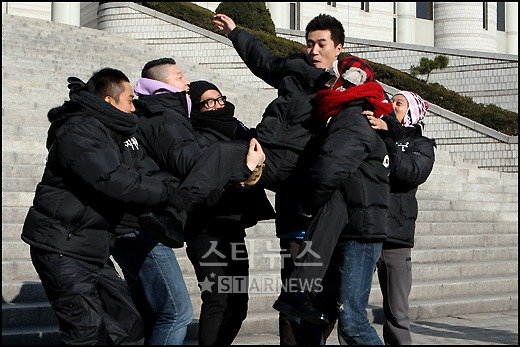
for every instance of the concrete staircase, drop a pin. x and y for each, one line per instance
(466, 254)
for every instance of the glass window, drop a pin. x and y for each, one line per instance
(424, 10)
(294, 20)
(501, 16)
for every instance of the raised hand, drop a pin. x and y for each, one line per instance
(223, 23)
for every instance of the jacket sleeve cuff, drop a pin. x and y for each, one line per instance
(234, 33)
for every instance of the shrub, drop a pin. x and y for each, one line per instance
(251, 15)
(185, 11)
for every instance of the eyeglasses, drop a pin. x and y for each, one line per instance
(209, 103)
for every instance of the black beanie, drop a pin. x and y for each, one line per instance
(198, 88)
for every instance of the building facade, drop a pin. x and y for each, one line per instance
(474, 26)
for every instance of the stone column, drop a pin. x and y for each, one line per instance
(66, 13)
(405, 31)
(512, 27)
(279, 13)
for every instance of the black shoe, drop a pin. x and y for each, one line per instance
(299, 304)
(166, 227)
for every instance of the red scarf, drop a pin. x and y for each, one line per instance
(331, 102)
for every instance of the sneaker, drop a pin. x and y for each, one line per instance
(299, 304)
(165, 227)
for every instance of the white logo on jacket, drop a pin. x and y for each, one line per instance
(131, 142)
(403, 146)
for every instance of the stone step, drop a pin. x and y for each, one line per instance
(31, 335)
(469, 196)
(17, 158)
(34, 132)
(13, 144)
(17, 214)
(19, 291)
(20, 184)
(454, 228)
(38, 315)
(23, 170)
(266, 229)
(464, 254)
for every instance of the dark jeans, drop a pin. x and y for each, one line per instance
(157, 287)
(321, 238)
(292, 330)
(394, 269)
(222, 261)
(90, 300)
(357, 270)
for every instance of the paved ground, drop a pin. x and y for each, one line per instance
(500, 328)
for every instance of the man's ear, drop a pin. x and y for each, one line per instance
(339, 49)
(110, 100)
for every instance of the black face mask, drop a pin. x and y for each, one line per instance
(221, 120)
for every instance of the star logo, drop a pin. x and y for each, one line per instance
(205, 285)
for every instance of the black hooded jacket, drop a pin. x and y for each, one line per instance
(238, 208)
(411, 162)
(287, 126)
(90, 179)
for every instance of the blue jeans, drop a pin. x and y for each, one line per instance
(357, 268)
(157, 286)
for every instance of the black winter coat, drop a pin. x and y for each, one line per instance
(90, 181)
(168, 135)
(354, 159)
(238, 208)
(411, 162)
(287, 126)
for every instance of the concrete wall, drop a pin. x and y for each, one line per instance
(37, 10)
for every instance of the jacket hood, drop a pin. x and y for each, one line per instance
(58, 116)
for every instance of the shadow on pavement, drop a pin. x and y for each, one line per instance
(464, 332)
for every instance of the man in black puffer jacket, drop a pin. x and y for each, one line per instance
(411, 161)
(91, 180)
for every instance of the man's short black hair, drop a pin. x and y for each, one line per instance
(145, 73)
(327, 22)
(107, 82)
